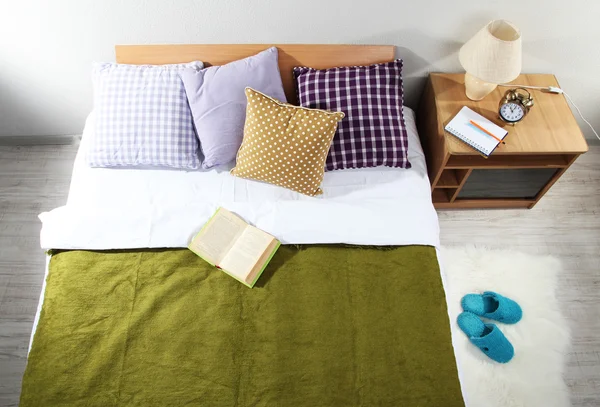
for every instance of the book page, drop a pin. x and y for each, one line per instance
(262, 261)
(218, 236)
(243, 255)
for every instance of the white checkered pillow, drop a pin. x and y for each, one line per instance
(142, 117)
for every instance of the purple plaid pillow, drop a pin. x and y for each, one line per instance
(142, 117)
(373, 132)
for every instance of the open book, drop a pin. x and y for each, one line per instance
(232, 245)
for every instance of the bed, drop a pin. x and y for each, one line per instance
(378, 219)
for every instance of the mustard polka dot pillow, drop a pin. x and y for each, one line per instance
(285, 145)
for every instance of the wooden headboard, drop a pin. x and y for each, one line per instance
(314, 56)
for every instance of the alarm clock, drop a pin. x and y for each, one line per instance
(515, 105)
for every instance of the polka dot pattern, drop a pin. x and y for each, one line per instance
(285, 145)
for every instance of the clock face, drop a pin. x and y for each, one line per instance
(512, 112)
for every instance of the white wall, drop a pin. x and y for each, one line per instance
(46, 46)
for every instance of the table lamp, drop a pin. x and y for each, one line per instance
(491, 57)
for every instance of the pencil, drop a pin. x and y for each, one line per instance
(486, 132)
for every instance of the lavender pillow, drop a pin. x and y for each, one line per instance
(373, 132)
(218, 101)
(142, 117)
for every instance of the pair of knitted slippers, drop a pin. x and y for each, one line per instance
(487, 337)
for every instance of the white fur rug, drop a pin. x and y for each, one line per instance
(541, 339)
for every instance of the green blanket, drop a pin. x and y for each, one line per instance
(324, 326)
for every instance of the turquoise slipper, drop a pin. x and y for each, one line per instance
(486, 337)
(493, 306)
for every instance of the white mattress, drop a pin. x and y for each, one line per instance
(143, 208)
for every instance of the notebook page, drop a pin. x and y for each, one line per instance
(461, 125)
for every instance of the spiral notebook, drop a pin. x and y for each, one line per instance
(460, 126)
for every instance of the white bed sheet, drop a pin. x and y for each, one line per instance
(144, 208)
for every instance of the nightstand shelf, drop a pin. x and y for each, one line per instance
(523, 161)
(537, 151)
(442, 195)
(449, 179)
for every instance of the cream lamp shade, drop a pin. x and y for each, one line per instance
(491, 57)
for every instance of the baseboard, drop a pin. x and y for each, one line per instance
(36, 140)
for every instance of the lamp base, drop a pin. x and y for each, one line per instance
(476, 89)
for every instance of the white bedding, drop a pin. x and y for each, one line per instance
(143, 208)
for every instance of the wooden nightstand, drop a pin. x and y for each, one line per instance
(537, 151)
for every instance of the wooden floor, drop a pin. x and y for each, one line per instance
(566, 223)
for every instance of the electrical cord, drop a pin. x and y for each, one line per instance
(554, 89)
(580, 114)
